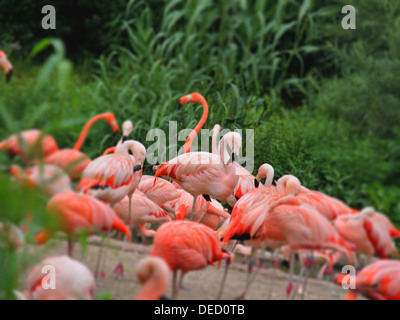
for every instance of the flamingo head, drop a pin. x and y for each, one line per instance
(265, 171)
(193, 97)
(6, 65)
(110, 118)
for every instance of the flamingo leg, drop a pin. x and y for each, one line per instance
(193, 207)
(299, 278)
(70, 247)
(221, 288)
(250, 277)
(227, 264)
(96, 273)
(274, 266)
(174, 288)
(290, 282)
(307, 274)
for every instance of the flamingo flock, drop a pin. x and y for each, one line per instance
(186, 197)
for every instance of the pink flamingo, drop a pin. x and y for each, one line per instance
(73, 280)
(75, 212)
(34, 144)
(153, 274)
(186, 246)
(47, 178)
(370, 231)
(377, 281)
(73, 160)
(146, 211)
(127, 128)
(114, 176)
(246, 179)
(6, 65)
(158, 190)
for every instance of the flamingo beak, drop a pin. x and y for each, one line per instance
(124, 138)
(256, 182)
(233, 157)
(137, 168)
(179, 105)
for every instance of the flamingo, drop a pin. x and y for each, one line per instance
(153, 273)
(76, 212)
(201, 173)
(183, 207)
(194, 98)
(158, 190)
(246, 179)
(46, 177)
(34, 144)
(6, 65)
(186, 246)
(302, 227)
(145, 211)
(73, 280)
(370, 231)
(377, 281)
(114, 176)
(73, 160)
(127, 128)
(328, 206)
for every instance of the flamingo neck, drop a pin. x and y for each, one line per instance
(214, 146)
(153, 289)
(193, 134)
(85, 130)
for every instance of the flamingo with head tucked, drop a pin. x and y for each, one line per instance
(186, 246)
(72, 280)
(378, 281)
(153, 274)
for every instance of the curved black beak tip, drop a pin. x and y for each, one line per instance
(124, 138)
(137, 168)
(179, 105)
(9, 75)
(234, 156)
(256, 183)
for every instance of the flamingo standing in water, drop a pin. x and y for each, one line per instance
(73, 160)
(377, 281)
(75, 212)
(6, 65)
(73, 280)
(186, 246)
(153, 274)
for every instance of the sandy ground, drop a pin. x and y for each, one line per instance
(201, 285)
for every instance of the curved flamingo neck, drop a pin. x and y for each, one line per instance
(196, 130)
(153, 289)
(85, 130)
